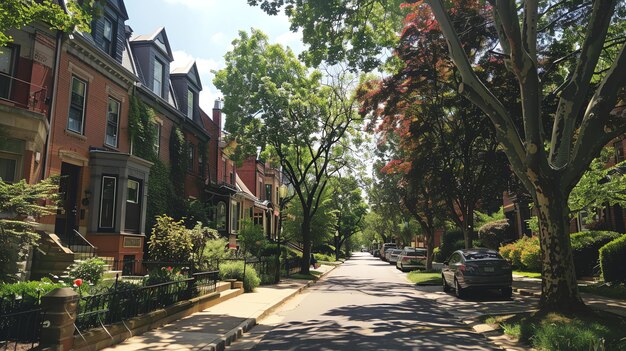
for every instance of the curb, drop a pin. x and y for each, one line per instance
(220, 343)
(496, 336)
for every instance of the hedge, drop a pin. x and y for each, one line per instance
(234, 270)
(524, 253)
(586, 247)
(612, 260)
(492, 234)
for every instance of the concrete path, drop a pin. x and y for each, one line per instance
(217, 326)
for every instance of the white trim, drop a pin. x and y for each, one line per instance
(136, 200)
(117, 124)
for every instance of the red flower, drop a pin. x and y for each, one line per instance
(169, 269)
(78, 282)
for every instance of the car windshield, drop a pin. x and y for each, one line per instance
(480, 255)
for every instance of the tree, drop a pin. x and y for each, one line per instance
(251, 238)
(273, 103)
(21, 204)
(16, 14)
(349, 209)
(587, 115)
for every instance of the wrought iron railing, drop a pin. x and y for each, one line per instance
(20, 322)
(125, 302)
(23, 94)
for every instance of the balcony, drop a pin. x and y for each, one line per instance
(18, 93)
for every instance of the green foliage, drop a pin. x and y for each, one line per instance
(481, 219)
(178, 172)
(200, 235)
(524, 254)
(163, 275)
(234, 270)
(612, 260)
(575, 336)
(323, 257)
(21, 204)
(586, 246)
(32, 289)
(16, 14)
(533, 224)
(451, 241)
(159, 194)
(437, 256)
(141, 128)
(251, 238)
(492, 234)
(216, 249)
(170, 241)
(89, 270)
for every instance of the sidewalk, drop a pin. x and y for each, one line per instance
(217, 326)
(532, 286)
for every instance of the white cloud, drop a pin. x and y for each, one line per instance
(218, 38)
(288, 37)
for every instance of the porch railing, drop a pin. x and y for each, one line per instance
(20, 322)
(23, 94)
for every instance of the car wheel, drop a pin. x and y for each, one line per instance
(506, 292)
(446, 287)
(460, 292)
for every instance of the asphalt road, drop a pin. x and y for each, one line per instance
(365, 304)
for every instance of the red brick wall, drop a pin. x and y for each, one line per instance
(248, 174)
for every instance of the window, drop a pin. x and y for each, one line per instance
(113, 118)
(200, 163)
(11, 151)
(220, 216)
(189, 103)
(268, 192)
(76, 118)
(235, 213)
(619, 151)
(107, 202)
(232, 178)
(157, 138)
(133, 191)
(190, 151)
(108, 36)
(6, 71)
(8, 168)
(157, 83)
(260, 191)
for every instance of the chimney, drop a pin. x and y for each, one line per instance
(217, 112)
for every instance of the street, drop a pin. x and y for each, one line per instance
(366, 304)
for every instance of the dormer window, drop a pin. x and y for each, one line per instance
(157, 83)
(189, 104)
(108, 36)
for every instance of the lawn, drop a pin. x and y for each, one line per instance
(313, 275)
(615, 291)
(528, 274)
(588, 331)
(424, 278)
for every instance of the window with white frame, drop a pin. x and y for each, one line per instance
(157, 138)
(107, 202)
(157, 82)
(113, 119)
(76, 118)
(189, 104)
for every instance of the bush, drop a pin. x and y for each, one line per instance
(31, 289)
(451, 241)
(437, 257)
(586, 249)
(251, 238)
(170, 241)
(90, 270)
(323, 257)
(326, 249)
(234, 270)
(524, 254)
(162, 275)
(612, 260)
(494, 233)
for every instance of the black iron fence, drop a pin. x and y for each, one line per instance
(20, 323)
(126, 301)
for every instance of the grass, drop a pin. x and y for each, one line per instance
(528, 274)
(313, 275)
(426, 278)
(552, 331)
(614, 291)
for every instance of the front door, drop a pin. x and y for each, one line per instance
(133, 207)
(67, 219)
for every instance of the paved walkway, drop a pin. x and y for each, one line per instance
(532, 286)
(217, 326)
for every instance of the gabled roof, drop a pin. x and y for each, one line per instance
(159, 38)
(191, 71)
(119, 5)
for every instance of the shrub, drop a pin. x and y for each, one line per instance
(215, 250)
(326, 249)
(31, 289)
(90, 270)
(170, 241)
(251, 238)
(437, 257)
(575, 335)
(494, 233)
(612, 260)
(524, 253)
(162, 275)
(234, 270)
(324, 257)
(451, 241)
(586, 249)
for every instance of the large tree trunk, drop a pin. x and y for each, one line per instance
(306, 245)
(559, 289)
(430, 247)
(468, 227)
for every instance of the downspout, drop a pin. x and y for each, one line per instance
(52, 109)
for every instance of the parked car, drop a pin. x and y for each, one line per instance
(392, 255)
(411, 259)
(477, 269)
(376, 253)
(384, 248)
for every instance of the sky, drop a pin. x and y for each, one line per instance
(202, 30)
